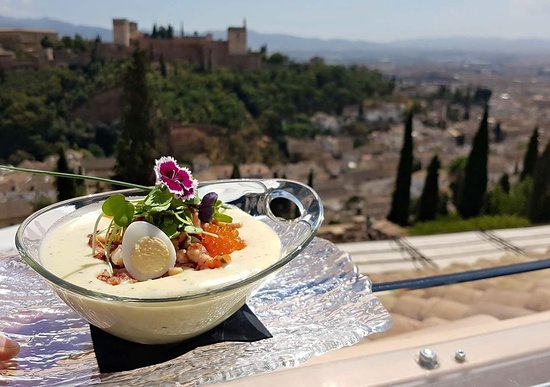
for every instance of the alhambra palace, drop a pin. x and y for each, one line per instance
(23, 48)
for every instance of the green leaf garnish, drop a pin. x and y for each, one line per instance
(221, 217)
(192, 230)
(169, 226)
(120, 209)
(158, 199)
(219, 207)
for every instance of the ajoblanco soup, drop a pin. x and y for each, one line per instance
(66, 253)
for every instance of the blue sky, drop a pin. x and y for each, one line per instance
(372, 20)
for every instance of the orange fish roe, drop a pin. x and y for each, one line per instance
(228, 239)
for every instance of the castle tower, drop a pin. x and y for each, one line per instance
(236, 40)
(121, 32)
(133, 30)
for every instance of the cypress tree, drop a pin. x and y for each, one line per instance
(162, 32)
(399, 212)
(504, 183)
(499, 133)
(235, 173)
(80, 185)
(466, 116)
(162, 65)
(310, 177)
(456, 171)
(429, 200)
(531, 155)
(539, 211)
(136, 146)
(66, 188)
(475, 178)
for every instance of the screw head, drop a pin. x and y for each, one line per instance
(427, 359)
(460, 356)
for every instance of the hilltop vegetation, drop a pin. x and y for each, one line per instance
(36, 106)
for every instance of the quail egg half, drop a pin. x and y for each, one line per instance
(147, 252)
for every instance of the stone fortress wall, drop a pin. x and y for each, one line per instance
(201, 50)
(24, 39)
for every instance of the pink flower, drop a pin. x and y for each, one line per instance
(178, 180)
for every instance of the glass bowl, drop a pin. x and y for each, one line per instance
(168, 320)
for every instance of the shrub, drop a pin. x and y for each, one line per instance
(453, 223)
(516, 202)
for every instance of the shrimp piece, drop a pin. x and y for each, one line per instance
(100, 240)
(194, 251)
(100, 253)
(175, 270)
(197, 254)
(175, 243)
(116, 256)
(181, 256)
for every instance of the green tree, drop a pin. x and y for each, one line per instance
(162, 65)
(443, 203)
(79, 44)
(80, 185)
(475, 178)
(399, 212)
(235, 173)
(429, 200)
(482, 96)
(311, 177)
(277, 59)
(66, 188)
(540, 198)
(67, 42)
(136, 145)
(531, 155)
(499, 133)
(467, 103)
(514, 202)
(45, 42)
(504, 183)
(162, 32)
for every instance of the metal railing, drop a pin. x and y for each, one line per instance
(464, 276)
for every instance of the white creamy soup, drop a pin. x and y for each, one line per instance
(66, 253)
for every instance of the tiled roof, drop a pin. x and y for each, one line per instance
(499, 298)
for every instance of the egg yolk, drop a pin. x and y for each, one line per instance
(150, 255)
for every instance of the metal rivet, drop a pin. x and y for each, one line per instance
(460, 356)
(427, 359)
